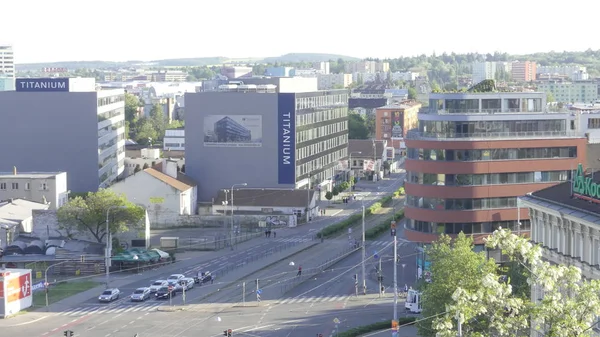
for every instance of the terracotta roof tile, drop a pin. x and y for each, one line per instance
(182, 183)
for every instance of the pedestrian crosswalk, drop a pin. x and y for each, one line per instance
(315, 299)
(379, 243)
(100, 309)
(287, 240)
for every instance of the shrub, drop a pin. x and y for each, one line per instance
(336, 191)
(361, 330)
(328, 195)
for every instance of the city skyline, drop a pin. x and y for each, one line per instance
(340, 30)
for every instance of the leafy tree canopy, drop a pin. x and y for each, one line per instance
(357, 127)
(565, 303)
(88, 214)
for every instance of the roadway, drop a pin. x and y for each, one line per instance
(122, 316)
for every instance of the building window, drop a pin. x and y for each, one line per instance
(2, 186)
(43, 187)
(27, 186)
(15, 186)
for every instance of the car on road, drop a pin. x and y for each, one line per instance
(157, 285)
(109, 295)
(203, 277)
(175, 277)
(165, 293)
(186, 283)
(140, 295)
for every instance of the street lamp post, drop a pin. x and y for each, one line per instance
(308, 198)
(364, 253)
(350, 167)
(232, 221)
(108, 250)
(46, 278)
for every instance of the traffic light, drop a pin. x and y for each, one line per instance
(227, 332)
(380, 278)
(82, 258)
(393, 232)
(68, 333)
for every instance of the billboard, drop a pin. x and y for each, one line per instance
(233, 130)
(286, 138)
(15, 291)
(397, 124)
(42, 84)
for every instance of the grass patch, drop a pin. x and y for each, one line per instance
(374, 232)
(61, 291)
(364, 329)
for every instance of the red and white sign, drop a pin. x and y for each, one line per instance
(15, 291)
(17, 288)
(368, 165)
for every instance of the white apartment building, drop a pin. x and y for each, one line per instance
(565, 70)
(169, 76)
(404, 76)
(7, 68)
(174, 140)
(483, 71)
(334, 81)
(322, 67)
(367, 67)
(570, 92)
(43, 188)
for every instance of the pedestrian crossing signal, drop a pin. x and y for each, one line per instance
(227, 333)
(68, 333)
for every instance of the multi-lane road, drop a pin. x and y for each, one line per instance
(274, 317)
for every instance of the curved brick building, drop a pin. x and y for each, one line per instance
(474, 153)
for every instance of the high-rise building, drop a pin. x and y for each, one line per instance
(483, 71)
(475, 153)
(265, 137)
(7, 68)
(524, 71)
(64, 125)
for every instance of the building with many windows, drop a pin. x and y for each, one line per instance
(7, 68)
(64, 125)
(475, 153)
(524, 71)
(483, 71)
(266, 137)
(570, 92)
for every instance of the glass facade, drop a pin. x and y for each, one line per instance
(454, 129)
(492, 154)
(441, 204)
(321, 133)
(467, 228)
(488, 105)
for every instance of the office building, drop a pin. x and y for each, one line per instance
(570, 92)
(43, 188)
(483, 71)
(169, 76)
(565, 222)
(475, 153)
(265, 137)
(524, 71)
(7, 68)
(564, 70)
(174, 140)
(64, 125)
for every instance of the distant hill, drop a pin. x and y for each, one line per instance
(307, 57)
(183, 62)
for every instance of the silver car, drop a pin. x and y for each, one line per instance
(157, 285)
(140, 295)
(109, 295)
(186, 283)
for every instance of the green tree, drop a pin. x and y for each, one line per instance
(569, 305)
(550, 97)
(159, 120)
(445, 255)
(329, 195)
(145, 131)
(357, 127)
(89, 214)
(175, 124)
(132, 106)
(412, 93)
(335, 191)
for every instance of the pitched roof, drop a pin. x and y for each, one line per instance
(266, 197)
(17, 210)
(365, 146)
(181, 183)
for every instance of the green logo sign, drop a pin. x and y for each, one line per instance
(585, 186)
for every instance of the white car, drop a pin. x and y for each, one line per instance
(175, 277)
(140, 295)
(157, 285)
(109, 295)
(186, 283)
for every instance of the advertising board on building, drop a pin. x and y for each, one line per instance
(42, 84)
(397, 124)
(15, 291)
(584, 187)
(286, 138)
(233, 131)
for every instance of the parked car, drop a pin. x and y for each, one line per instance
(175, 277)
(165, 293)
(186, 283)
(140, 295)
(157, 285)
(203, 277)
(109, 295)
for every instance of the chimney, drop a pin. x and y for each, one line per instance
(14, 170)
(169, 167)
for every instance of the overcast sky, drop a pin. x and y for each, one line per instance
(119, 30)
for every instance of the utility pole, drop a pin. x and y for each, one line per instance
(459, 325)
(257, 293)
(244, 294)
(364, 253)
(395, 278)
(380, 278)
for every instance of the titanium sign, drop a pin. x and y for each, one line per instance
(585, 188)
(42, 84)
(286, 138)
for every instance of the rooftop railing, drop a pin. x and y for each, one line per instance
(482, 111)
(420, 135)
